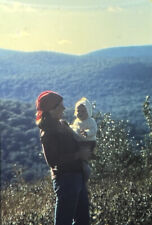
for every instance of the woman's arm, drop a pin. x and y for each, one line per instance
(51, 147)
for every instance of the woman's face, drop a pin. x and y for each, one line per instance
(57, 113)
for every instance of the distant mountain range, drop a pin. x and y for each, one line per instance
(118, 79)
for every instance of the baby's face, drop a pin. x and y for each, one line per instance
(82, 112)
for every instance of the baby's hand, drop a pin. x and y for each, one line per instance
(83, 133)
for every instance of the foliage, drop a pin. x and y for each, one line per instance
(31, 204)
(148, 112)
(20, 145)
(147, 151)
(117, 151)
(112, 202)
(119, 202)
(122, 175)
(120, 188)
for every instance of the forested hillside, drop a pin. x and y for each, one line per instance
(118, 79)
(20, 146)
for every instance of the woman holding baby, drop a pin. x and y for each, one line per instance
(64, 154)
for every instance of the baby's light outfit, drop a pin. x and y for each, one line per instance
(90, 127)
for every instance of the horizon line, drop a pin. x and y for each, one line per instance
(73, 54)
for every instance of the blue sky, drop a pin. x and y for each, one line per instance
(75, 27)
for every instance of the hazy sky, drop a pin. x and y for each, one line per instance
(74, 26)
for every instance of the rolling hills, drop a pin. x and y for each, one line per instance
(118, 79)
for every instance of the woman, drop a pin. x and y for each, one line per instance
(64, 155)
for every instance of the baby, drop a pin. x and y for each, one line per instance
(85, 126)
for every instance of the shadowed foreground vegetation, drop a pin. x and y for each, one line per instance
(120, 188)
(112, 202)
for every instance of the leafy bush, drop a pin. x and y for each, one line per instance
(147, 150)
(121, 184)
(24, 204)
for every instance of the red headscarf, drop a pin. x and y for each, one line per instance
(47, 101)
